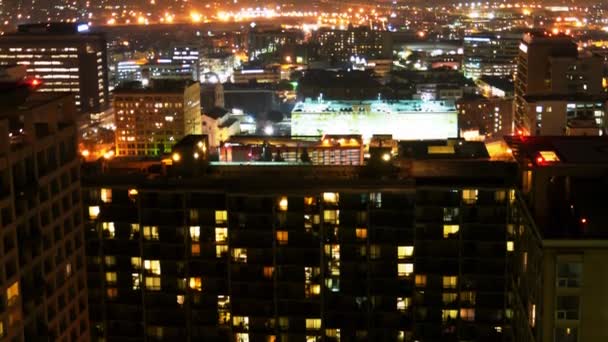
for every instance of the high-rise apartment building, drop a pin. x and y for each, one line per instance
(550, 69)
(150, 120)
(395, 251)
(564, 181)
(489, 54)
(43, 281)
(65, 58)
(360, 42)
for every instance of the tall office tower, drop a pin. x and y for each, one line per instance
(150, 120)
(391, 251)
(564, 180)
(556, 88)
(354, 42)
(490, 54)
(190, 55)
(65, 57)
(43, 279)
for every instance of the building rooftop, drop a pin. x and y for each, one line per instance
(53, 28)
(156, 86)
(502, 83)
(375, 106)
(443, 149)
(559, 150)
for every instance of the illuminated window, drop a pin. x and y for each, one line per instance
(136, 279)
(449, 315)
(93, 212)
(467, 297)
(361, 233)
(469, 196)
(106, 195)
(283, 323)
(221, 216)
(450, 282)
(375, 251)
(12, 294)
(180, 299)
(108, 229)
(309, 201)
(331, 216)
(195, 249)
(221, 235)
(511, 196)
(333, 333)
(283, 204)
(500, 196)
(133, 194)
(195, 283)
(467, 314)
(150, 232)
(134, 231)
(420, 280)
(241, 321)
(110, 260)
(313, 323)
(152, 266)
(136, 263)
(268, 272)
(449, 230)
(405, 251)
(112, 292)
(221, 251)
(111, 277)
(448, 298)
(153, 283)
(403, 303)
(239, 255)
(404, 270)
(195, 233)
(510, 246)
(331, 197)
(282, 237)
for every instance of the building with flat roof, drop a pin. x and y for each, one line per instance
(65, 58)
(43, 281)
(490, 54)
(150, 120)
(551, 66)
(404, 119)
(362, 41)
(399, 249)
(325, 150)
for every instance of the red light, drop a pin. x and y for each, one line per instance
(583, 220)
(540, 160)
(35, 82)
